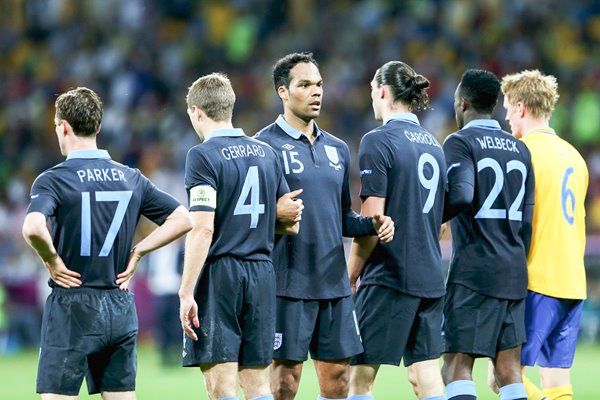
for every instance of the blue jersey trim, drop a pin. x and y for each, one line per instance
(404, 116)
(94, 153)
(483, 123)
(226, 132)
(291, 131)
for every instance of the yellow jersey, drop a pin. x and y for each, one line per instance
(555, 261)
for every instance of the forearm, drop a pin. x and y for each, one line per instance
(176, 225)
(286, 228)
(36, 234)
(355, 225)
(459, 197)
(197, 244)
(361, 250)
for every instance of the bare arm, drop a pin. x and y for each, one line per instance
(36, 234)
(362, 247)
(178, 223)
(197, 244)
(289, 213)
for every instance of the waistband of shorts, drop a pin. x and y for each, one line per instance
(85, 290)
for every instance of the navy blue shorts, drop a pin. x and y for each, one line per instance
(92, 333)
(552, 327)
(479, 325)
(395, 326)
(236, 309)
(326, 328)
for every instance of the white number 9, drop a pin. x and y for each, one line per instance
(430, 184)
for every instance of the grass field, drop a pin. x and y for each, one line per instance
(154, 382)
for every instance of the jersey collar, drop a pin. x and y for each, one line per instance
(404, 116)
(547, 131)
(226, 132)
(483, 123)
(88, 154)
(291, 131)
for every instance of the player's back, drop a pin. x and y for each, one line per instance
(556, 259)
(414, 167)
(489, 254)
(248, 180)
(94, 205)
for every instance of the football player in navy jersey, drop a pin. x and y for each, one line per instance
(399, 301)
(490, 198)
(227, 293)
(92, 205)
(315, 311)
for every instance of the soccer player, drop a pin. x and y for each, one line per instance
(92, 205)
(227, 293)
(490, 194)
(399, 301)
(315, 311)
(557, 285)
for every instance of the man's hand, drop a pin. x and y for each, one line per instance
(124, 277)
(60, 274)
(289, 207)
(188, 315)
(384, 226)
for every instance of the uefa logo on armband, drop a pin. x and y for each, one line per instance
(278, 341)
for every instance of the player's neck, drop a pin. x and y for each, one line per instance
(211, 126)
(394, 109)
(530, 125)
(306, 127)
(78, 143)
(472, 115)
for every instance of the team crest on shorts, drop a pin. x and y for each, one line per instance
(332, 155)
(278, 340)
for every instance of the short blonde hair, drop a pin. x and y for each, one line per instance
(214, 95)
(537, 92)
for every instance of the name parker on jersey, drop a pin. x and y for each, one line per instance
(101, 175)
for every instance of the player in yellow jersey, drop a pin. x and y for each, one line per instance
(556, 272)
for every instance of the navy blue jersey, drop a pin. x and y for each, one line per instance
(93, 204)
(489, 241)
(312, 264)
(240, 179)
(404, 163)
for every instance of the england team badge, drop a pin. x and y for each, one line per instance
(332, 155)
(278, 341)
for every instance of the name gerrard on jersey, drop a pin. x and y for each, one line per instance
(101, 175)
(242, 150)
(506, 144)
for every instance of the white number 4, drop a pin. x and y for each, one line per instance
(251, 187)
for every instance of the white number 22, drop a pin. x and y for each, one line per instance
(486, 210)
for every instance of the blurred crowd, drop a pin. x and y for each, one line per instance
(141, 55)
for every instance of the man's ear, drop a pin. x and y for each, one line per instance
(382, 91)
(521, 109)
(283, 93)
(464, 103)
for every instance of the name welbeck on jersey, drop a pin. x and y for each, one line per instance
(242, 150)
(507, 144)
(421, 137)
(101, 175)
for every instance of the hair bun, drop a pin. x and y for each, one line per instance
(420, 81)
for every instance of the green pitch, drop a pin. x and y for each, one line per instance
(154, 382)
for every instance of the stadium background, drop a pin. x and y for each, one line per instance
(141, 55)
